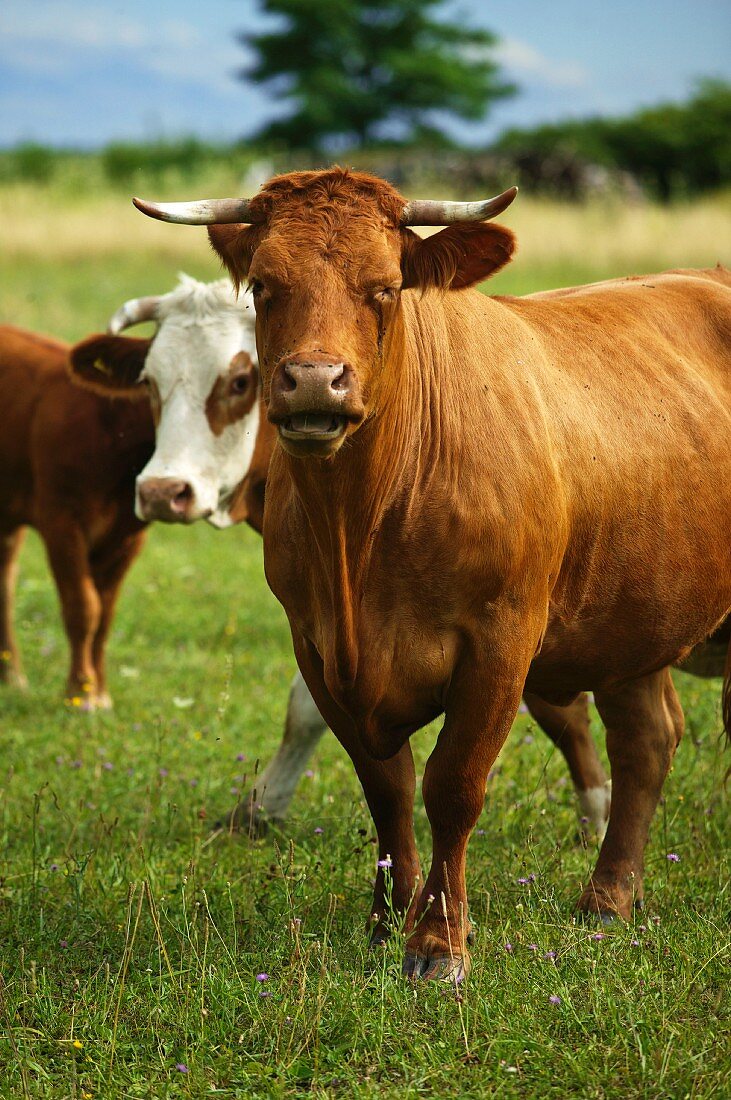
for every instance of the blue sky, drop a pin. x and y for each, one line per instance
(77, 72)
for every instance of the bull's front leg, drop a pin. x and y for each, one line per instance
(389, 787)
(482, 703)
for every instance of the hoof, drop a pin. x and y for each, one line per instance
(436, 968)
(378, 939)
(12, 678)
(88, 704)
(594, 917)
(245, 820)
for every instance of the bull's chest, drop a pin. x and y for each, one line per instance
(381, 660)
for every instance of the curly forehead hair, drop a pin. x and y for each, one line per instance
(319, 192)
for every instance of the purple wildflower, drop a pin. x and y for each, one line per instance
(387, 862)
(75, 763)
(598, 936)
(550, 955)
(181, 1067)
(635, 943)
(673, 857)
(479, 832)
(554, 1000)
(528, 739)
(532, 946)
(63, 944)
(53, 867)
(509, 948)
(240, 756)
(522, 709)
(192, 782)
(163, 772)
(319, 831)
(262, 977)
(265, 993)
(309, 774)
(107, 765)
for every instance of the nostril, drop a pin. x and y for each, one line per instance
(182, 500)
(289, 382)
(339, 380)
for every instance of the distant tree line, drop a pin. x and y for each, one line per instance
(672, 149)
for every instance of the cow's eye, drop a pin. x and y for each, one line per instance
(240, 384)
(386, 293)
(256, 287)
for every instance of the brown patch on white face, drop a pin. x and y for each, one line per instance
(233, 394)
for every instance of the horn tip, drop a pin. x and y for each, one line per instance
(149, 208)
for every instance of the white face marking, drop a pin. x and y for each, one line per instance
(201, 328)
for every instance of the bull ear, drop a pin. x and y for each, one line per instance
(456, 257)
(110, 365)
(235, 245)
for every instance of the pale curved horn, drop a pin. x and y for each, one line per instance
(198, 212)
(133, 312)
(434, 212)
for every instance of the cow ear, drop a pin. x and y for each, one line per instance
(235, 246)
(110, 365)
(456, 257)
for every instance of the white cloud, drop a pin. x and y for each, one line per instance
(61, 36)
(523, 60)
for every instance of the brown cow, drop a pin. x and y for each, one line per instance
(476, 495)
(68, 461)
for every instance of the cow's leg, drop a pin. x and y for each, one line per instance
(80, 606)
(644, 724)
(10, 666)
(389, 787)
(269, 798)
(569, 729)
(108, 570)
(481, 706)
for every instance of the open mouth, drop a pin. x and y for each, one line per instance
(313, 426)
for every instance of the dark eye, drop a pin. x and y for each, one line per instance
(256, 287)
(240, 384)
(386, 293)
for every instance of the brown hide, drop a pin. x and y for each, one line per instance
(538, 496)
(68, 460)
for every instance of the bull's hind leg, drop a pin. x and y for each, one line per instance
(569, 729)
(80, 606)
(644, 722)
(272, 790)
(108, 571)
(10, 667)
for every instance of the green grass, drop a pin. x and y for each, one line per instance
(130, 941)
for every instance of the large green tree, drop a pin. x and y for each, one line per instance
(359, 71)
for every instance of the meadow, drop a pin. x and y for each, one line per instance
(143, 954)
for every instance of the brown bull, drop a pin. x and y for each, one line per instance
(68, 461)
(479, 495)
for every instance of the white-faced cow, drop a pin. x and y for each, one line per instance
(476, 496)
